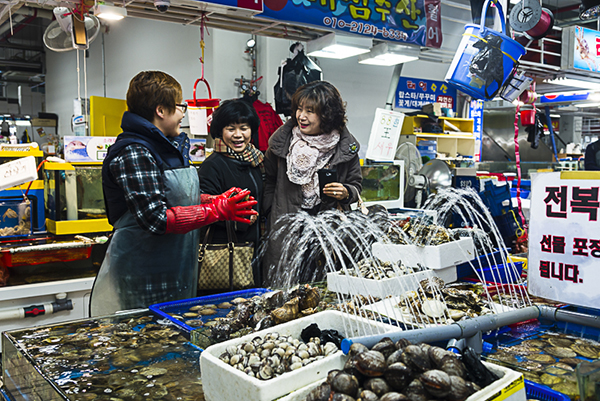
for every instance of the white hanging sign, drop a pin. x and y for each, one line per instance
(18, 172)
(564, 237)
(385, 133)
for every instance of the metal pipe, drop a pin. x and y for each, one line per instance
(389, 103)
(463, 329)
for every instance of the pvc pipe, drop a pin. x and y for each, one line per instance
(47, 308)
(463, 329)
(561, 315)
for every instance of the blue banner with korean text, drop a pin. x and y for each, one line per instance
(409, 21)
(476, 113)
(414, 93)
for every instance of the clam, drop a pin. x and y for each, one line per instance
(436, 382)
(402, 343)
(377, 385)
(396, 356)
(386, 346)
(345, 383)
(332, 374)
(453, 366)
(436, 354)
(342, 397)
(357, 348)
(459, 389)
(367, 395)
(370, 363)
(415, 391)
(393, 396)
(414, 357)
(321, 393)
(398, 375)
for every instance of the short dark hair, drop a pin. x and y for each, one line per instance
(149, 89)
(233, 111)
(325, 100)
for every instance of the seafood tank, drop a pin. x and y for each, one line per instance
(128, 356)
(74, 194)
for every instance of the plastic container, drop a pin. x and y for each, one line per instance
(527, 117)
(176, 307)
(475, 68)
(432, 256)
(381, 288)
(500, 274)
(543, 393)
(510, 387)
(222, 382)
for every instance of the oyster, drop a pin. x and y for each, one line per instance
(544, 359)
(550, 380)
(586, 350)
(560, 352)
(568, 388)
(559, 341)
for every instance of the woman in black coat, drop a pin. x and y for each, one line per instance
(235, 162)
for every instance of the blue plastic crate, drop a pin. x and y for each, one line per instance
(178, 307)
(543, 393)
(496, 198)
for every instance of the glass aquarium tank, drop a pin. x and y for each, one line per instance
(73, 192)
(121, 357)
(383, 182)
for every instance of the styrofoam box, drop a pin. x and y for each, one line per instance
(222, 382)
(346, 284)
(431, 256)
(510, 387)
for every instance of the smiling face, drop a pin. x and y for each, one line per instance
(308, 120)
(237, 136)
(169, 122)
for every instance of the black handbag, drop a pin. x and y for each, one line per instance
(225, 266)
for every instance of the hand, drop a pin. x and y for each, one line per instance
(206, 198)
(235, 207)
(336, 190)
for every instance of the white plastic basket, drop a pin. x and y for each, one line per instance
(222, 382)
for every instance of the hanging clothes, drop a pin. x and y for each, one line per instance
(269, 122)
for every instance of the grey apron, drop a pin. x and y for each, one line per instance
(140, 268)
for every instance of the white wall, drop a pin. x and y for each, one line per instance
(133, 45)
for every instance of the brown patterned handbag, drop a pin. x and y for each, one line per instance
(225, 266)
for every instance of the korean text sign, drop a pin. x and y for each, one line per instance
(385, 133)
(564, 239)
(409, 21)
(414, 93)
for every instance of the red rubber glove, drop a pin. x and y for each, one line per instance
(206, 198)
(183, 219)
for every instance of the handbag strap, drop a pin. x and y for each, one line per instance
(232, 239)
(204, 244)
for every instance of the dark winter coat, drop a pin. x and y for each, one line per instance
(217, 174)
(282, 196)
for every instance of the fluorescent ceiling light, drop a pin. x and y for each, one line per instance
(554, 115)
(588, 105)
(109, 12)
(388, 55)
(338, 46)
(577, 83)
(22, 122)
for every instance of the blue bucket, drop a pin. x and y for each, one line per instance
(485, 59)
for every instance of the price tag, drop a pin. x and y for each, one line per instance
(17, 172)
